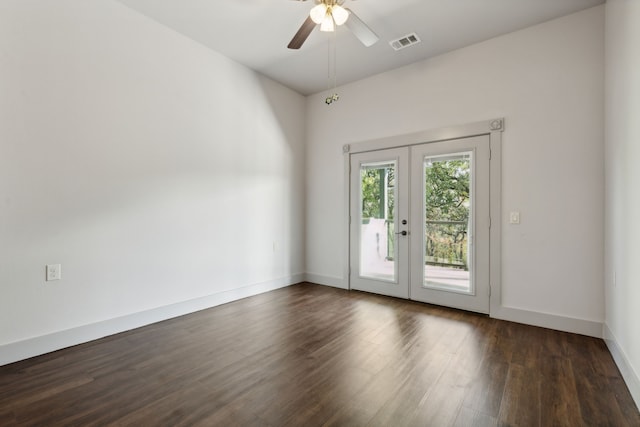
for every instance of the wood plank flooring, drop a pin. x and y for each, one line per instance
(310, 355)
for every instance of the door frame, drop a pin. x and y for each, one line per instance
(492, 128)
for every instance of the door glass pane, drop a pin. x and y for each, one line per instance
(448, 235)
(377, 213)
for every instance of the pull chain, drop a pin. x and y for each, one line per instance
(331, 98)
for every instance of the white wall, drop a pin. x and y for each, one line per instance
(153, 169)
(622, 250)
(158, 172)
(548, 83)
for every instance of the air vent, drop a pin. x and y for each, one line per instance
(405, 41)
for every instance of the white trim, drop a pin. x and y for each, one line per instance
(495, 219)
(31, 347)
(433, 135)
(550, 321)
(334, 282)
(346, 223)
(629, 374)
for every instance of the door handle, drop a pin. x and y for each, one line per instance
(403, 232)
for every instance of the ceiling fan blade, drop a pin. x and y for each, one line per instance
(360, 29)
(298, 40)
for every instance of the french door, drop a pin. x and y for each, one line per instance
(419, 222)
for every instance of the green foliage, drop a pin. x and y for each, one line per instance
(447, 211)
(378, 198)
(447, 190)
(374, 184)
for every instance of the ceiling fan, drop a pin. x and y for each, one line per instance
(329, 14)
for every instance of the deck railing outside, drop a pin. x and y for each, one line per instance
(446, 243)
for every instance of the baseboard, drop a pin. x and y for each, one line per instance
(335, 282)
(550, 321)
(25, 349)
(629, 374)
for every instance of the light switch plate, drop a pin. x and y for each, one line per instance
(514, 218)
(54, 272)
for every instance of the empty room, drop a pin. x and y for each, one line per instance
(292, 212)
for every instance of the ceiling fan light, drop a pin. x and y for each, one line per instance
(318, 13)
(328, 24)
(340, 15)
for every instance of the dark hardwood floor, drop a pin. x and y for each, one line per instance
(311, 355)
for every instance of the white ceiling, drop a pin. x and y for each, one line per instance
(256, 32)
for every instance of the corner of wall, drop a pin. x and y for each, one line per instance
(319, 279)
(629, 374)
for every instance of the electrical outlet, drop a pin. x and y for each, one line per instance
(54, 272)
(514, 218)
